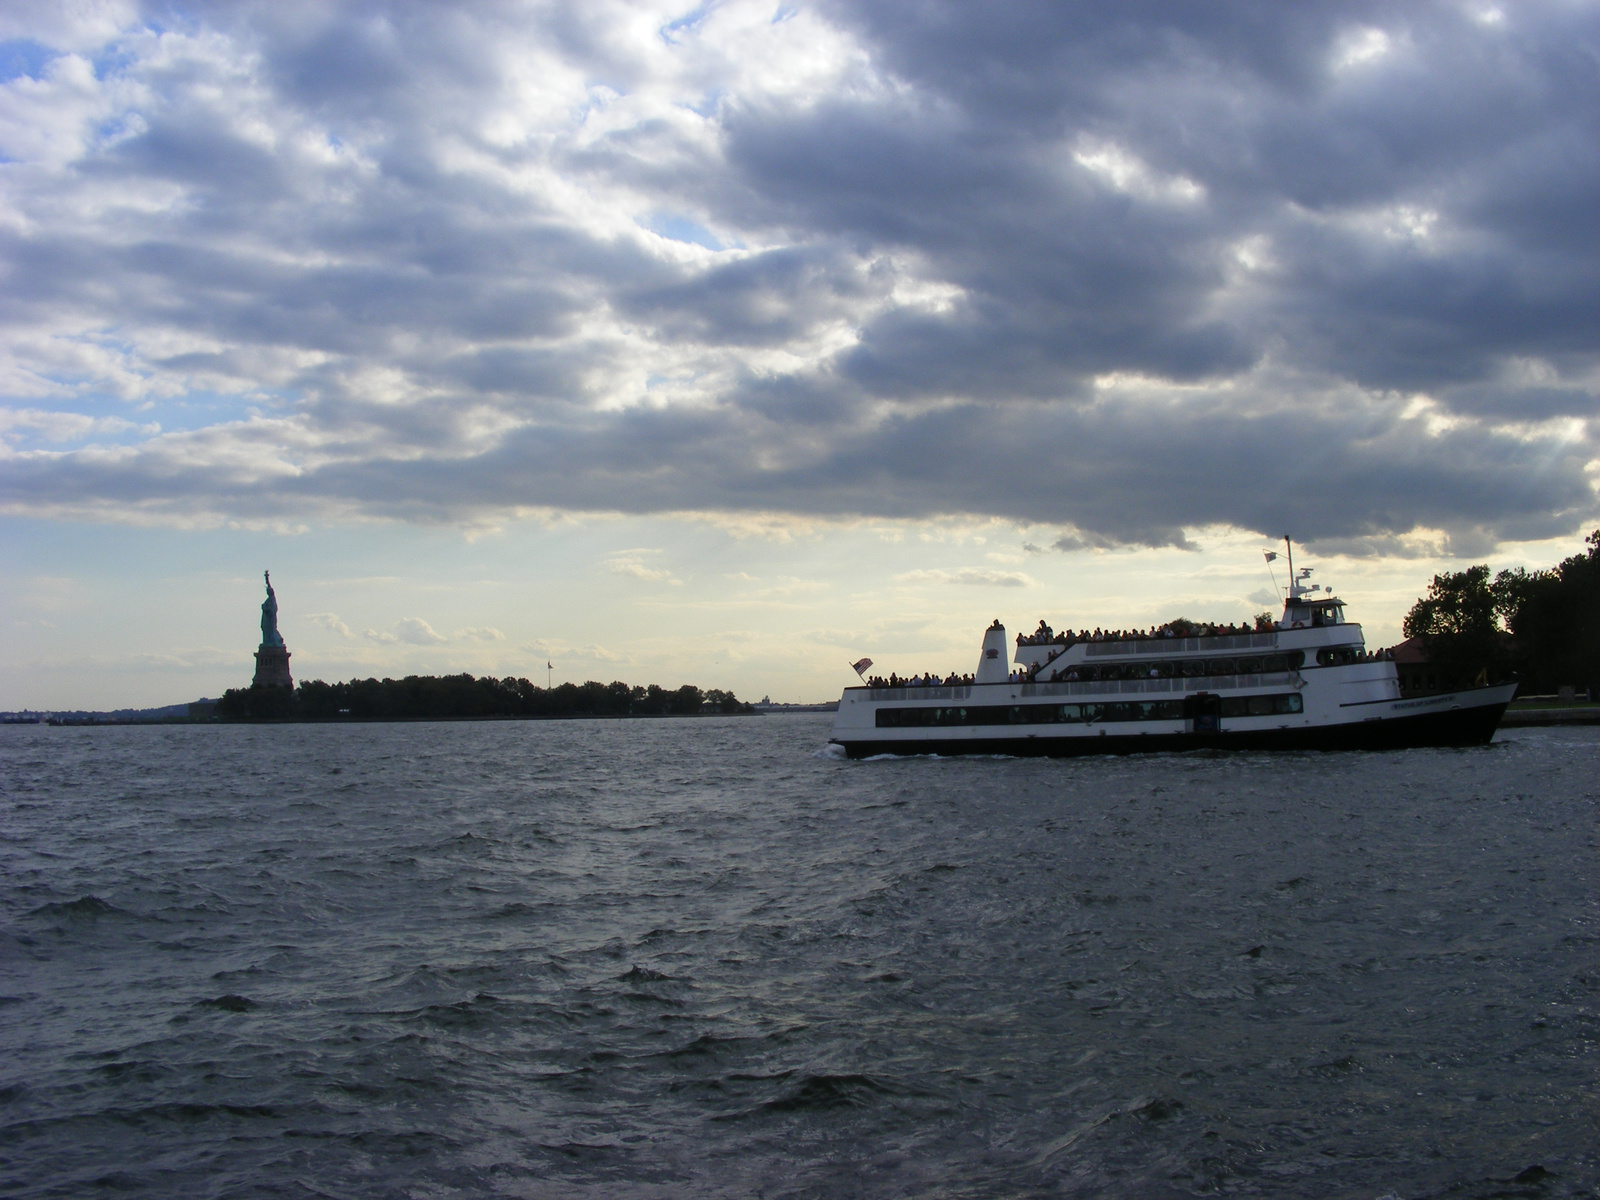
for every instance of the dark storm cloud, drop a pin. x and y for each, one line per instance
(1329, 472)
(1125, 269)
(766, 299)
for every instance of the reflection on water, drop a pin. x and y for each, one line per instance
(706, 957)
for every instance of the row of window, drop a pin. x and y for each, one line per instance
(1246, 641)
(1066, 714)
(1192, 668)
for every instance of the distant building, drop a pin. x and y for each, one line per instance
(1416, 673)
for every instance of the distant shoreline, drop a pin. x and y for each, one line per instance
(65, 723)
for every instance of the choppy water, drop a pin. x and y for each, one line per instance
(684, 958)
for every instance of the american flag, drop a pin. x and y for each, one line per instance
(860, 667)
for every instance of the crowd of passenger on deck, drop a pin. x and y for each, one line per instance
(1045, 636)
(928, 680)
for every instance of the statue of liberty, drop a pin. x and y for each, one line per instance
(269, 615)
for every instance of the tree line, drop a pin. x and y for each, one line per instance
(446, 696)
(1542, 627)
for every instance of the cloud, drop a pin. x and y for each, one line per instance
(331, 621)
(1074, 540)
(65, 426)
(1264, 596)
(1119, 271)
(560, 651)
(417, 632)
(485, 633)
(412, 631)
(628, 563)
(971, 576)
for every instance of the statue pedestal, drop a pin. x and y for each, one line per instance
(272, 667)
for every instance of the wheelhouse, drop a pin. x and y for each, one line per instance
(1301, 612)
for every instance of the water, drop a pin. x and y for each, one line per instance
(692, 958)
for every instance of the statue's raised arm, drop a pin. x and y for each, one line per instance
(269, 615)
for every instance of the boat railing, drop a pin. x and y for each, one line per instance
(1173, 645)
(919, 693)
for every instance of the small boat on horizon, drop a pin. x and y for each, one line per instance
(1303, 682)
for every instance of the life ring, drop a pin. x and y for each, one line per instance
(1298, 625)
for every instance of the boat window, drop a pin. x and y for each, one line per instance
(1260, 706)
(1060, 714)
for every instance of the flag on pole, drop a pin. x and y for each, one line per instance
(1271, 556)
(860, 668)
(549, 666)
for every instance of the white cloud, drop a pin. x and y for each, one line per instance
(330, 621)
(1361, 46)
(485, 633)
(970, 576)
(412, 631)
(417, 632)
(634, 569)
(67, 426)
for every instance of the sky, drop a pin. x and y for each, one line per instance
(729, 343)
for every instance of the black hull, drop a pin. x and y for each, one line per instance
(1472, 726)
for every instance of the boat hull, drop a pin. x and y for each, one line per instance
(1463, 718)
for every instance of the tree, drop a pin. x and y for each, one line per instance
(1552, 618)
(1458, 623)
(1555, 618)
(453, 696)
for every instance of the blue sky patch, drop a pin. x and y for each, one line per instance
(23, 56)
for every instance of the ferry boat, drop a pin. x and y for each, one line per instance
(1304, 682)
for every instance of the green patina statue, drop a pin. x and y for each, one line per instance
(269, 615)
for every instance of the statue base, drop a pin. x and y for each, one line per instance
(272, 667)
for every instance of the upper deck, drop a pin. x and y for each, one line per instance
(1060, 654)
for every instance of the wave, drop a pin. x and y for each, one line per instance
(232, 1002)
(818, 1093)
(83, 908)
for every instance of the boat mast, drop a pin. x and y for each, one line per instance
(1289, 547)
